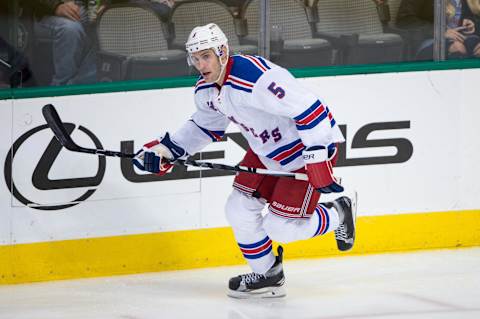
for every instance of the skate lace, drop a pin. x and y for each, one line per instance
(251, 278)
(341, 233)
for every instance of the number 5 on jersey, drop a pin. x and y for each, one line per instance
(277, 91)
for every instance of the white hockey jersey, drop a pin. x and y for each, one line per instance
(278, 117)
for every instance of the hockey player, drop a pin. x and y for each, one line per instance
(288, 129)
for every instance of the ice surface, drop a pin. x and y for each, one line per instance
(424, 284)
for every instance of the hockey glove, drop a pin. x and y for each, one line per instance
(157, 156)
(320, 171)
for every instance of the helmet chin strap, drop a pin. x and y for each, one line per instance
(222, 66)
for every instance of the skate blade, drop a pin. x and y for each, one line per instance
(270, 292)
(354, 200)
(346, 246)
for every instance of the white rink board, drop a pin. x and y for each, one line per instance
(441, 175)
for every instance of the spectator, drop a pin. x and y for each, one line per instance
(418, 15)
(474, 6)
(66, 25)
(462, 34)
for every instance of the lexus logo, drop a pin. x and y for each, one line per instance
(40, 179)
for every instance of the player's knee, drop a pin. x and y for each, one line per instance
(279, 229)
(242, 211)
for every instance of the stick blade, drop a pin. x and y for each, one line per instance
(55, 123)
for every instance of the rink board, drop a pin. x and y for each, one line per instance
(411, 153)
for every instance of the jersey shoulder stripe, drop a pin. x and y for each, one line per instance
(248, 68)
(261, 60)
(258, 62)
(239, 84)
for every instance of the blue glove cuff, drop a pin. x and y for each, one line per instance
(176, 150)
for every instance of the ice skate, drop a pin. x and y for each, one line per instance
(255, 285)
(347, 211)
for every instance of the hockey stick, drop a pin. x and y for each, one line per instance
(55, 123)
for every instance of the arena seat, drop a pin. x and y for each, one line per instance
(356, 30)
(133, 43)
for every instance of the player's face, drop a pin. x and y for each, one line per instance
(208, 64)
